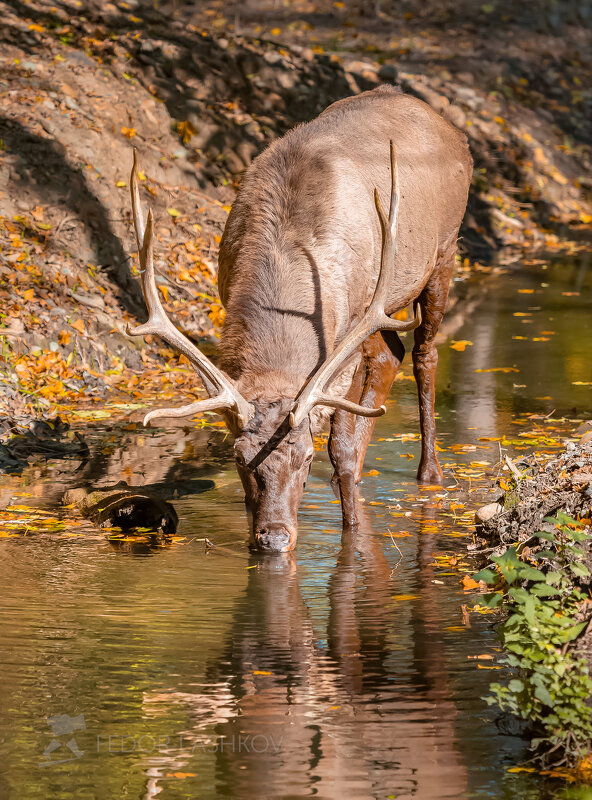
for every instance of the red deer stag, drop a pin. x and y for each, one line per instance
(311, 268)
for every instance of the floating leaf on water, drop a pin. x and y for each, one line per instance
(521, 769)
(180, 775)
(460, 345)
(498, 369)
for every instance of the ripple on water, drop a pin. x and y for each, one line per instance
(343, 670)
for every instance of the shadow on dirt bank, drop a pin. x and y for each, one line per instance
(41, 163)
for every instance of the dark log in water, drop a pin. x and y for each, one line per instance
(123, 507)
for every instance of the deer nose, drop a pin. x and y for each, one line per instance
(273, 538)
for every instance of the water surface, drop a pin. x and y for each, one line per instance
(346, 669)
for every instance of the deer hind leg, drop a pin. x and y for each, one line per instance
(350, 434)
(432, 300)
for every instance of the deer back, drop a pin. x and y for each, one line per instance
(300, 254)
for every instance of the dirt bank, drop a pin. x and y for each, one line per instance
(200, 94)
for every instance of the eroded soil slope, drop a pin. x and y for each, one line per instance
(200, 92)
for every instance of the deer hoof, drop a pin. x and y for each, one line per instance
(430, 473)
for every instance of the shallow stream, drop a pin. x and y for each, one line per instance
(347, 669)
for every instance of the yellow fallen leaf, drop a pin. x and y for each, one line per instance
(121, 184)
(275, 31)
(29, 294)
(173, 212)
(78, 325)
(461, 345)
(370, 473)
(498, 369)
(468, 583)
(405, 597)
(186, 131)
(521, 769)
(181, 775)
(261, 672)
(35, 27)
(129, 132)
(165, 292)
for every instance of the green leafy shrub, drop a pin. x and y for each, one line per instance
(545, 604)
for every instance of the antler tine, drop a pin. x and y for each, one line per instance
(388, 227)
(199, 406)
(136, 202)
(347, 405)
(374, 319)
(223, 394)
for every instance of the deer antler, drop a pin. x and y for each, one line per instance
(223, 394)
(375, 319)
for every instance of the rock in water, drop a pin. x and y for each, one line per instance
(485, 513)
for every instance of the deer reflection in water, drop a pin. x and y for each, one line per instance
(363, 713)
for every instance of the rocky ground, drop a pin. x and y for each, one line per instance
(199, 90)
(534, 488)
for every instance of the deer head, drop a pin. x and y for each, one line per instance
(273, 440)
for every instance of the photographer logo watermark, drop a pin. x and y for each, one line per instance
(63, 747)
(63, 725)
(242, 743)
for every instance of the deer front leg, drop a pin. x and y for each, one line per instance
(350, 434)
(433, 301)
(342, 452)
